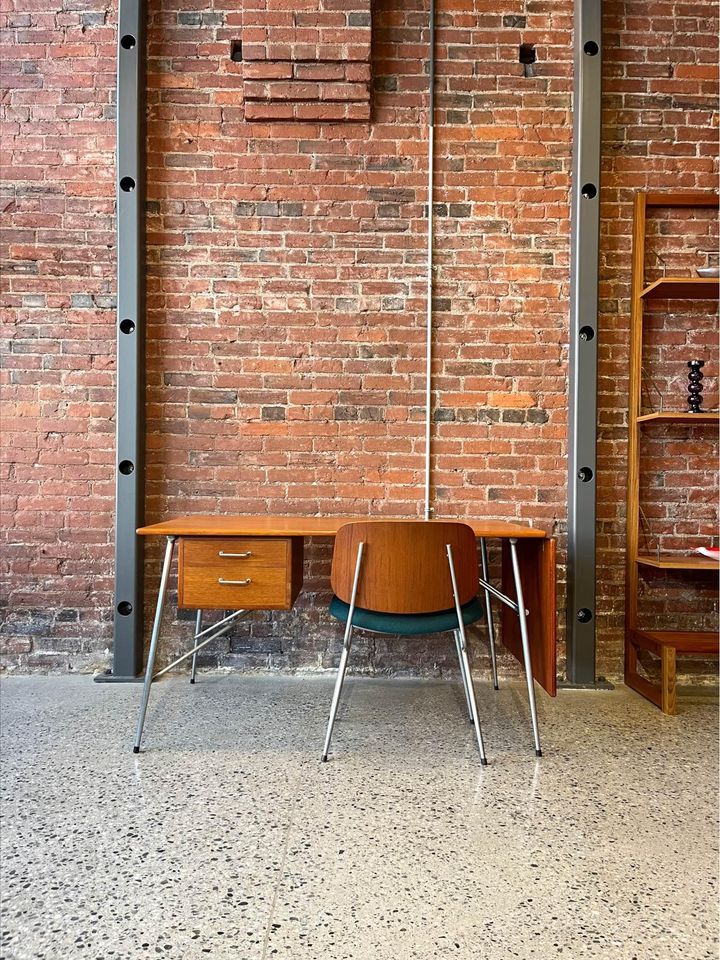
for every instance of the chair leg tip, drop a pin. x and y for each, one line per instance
(538, 753)
(136, 749)
(192, 680)
(323, 758)
(497, 687)
(483, 761)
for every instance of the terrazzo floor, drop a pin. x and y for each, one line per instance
(226, 838)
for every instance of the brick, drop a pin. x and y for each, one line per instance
(460, 210)
(267, 70)
(273, 413)
(318, 71)
(357, 72)
(268, 111)
(267, 209)
(81, 301)
(245, 209)
(92, 19)
(292, 209)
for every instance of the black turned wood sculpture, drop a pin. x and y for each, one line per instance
(695, 385)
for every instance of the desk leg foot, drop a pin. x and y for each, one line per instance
(336, 693)
(162, 593)
(525, 643)
(347, 643)
(198, 629)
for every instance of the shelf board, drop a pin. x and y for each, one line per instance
(681, 416)
(683, 288)
(685, 198)
(677, 562)
(690, 641)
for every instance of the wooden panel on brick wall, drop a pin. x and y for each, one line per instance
(537, 559)
(308, 65)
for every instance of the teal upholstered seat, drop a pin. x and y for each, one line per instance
(407, 624)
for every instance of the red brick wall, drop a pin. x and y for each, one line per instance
(58, 286)
(660, 133)
(286, 284)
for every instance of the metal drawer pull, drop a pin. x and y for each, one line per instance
(240, 556)
(234, 583)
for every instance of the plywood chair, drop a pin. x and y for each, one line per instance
(406, 577)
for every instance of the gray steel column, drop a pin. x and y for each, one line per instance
(129, 466)
(585, 219)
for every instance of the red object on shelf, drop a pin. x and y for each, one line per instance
(712, 552)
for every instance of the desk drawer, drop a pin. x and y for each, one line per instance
(233, 573)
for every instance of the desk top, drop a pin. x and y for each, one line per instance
(299, 526)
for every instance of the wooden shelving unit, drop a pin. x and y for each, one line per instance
(665, 644)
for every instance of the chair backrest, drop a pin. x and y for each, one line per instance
(405, 566)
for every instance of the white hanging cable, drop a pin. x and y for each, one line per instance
(428, 326)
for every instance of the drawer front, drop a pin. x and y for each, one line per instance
(235, 573)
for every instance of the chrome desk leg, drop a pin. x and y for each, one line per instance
(488, 610)
(525, 644)
(164, 578)
(198, 628)
(464, 658)
(456, 634)
(347, 640)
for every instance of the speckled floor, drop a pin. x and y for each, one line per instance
(226, 838)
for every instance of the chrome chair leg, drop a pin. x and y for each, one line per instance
(464, 659)
(456, 634)
(198, 628)
(162, 593)
(347, 641)
(488, 611)
(525, 645)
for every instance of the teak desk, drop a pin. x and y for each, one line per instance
(246, 563)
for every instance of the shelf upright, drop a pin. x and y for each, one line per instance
(634, 412)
